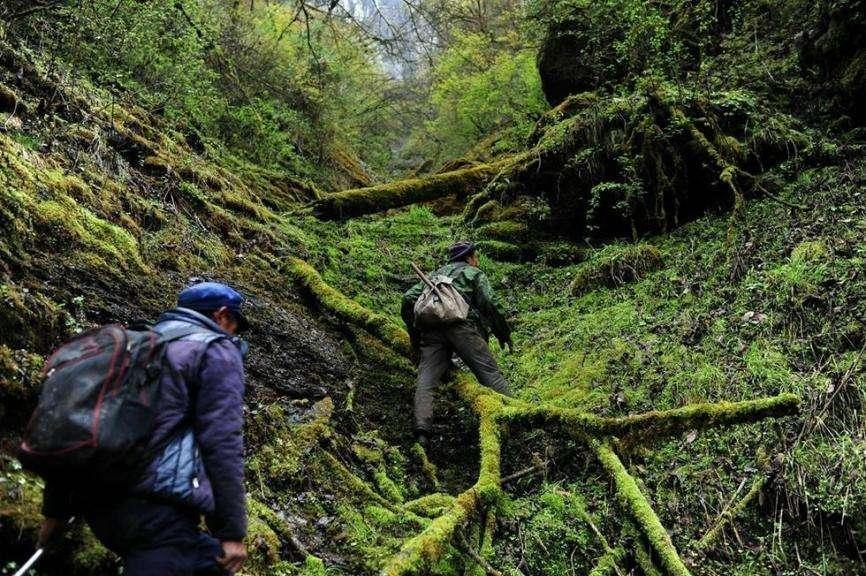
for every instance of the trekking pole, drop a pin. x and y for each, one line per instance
(30, 562)
(36, 556)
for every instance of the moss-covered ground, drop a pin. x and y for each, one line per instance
(778, 308)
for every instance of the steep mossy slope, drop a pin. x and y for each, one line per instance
(690, 317)
(106, 214)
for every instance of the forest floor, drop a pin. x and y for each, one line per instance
(728, 308)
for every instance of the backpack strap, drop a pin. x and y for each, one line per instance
(183, 332)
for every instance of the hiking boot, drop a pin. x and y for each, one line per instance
(422, 439)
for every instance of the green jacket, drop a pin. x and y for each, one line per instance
(485, 308)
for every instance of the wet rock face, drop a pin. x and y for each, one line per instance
(834, 52)
(294, 356)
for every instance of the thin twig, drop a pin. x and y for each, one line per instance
(463, 546)
(534, 469)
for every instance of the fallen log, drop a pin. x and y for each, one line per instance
(360, 201)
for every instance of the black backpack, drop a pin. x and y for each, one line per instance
(95, 412)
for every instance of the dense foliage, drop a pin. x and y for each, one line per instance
(285, 92)
(482, 86)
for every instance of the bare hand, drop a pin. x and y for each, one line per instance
(50, 528)
(234, 555)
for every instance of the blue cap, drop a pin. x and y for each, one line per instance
(208, 296)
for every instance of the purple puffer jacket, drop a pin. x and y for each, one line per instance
(202, 393)
(197, 433)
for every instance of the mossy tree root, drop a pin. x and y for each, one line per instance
(656, 424)
(608, 563)
(641, 511)
(347, 309)
(645, 561)
(496, 412)
(421, 551)
(761, 480)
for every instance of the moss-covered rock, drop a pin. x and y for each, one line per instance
(615, 266)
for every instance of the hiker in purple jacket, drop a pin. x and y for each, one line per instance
(198, 442)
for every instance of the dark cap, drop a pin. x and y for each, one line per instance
(460, 250)
(210, 296)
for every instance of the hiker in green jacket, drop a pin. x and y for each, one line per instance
(468, 339)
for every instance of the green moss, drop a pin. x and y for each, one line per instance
(264, 542)
(19, 378)
(343, 307)
(636, 505)
(105, 240)
(246, 205)
(20, 498)
(353, 203)
(28, 318)
(428, 469)
(185, 246)
(616, 265)
(802, 276)
(499, 250)
(653, 424)
(609, 562)
(89, 556)
(506, 230)
(422, 551)
(313, 567)
(487, 211)
(431, 505)
(386, 486)
(284, 449)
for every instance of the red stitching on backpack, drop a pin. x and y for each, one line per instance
(118, 350)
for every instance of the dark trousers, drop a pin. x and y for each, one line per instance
(436, 348)
(156, 539)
